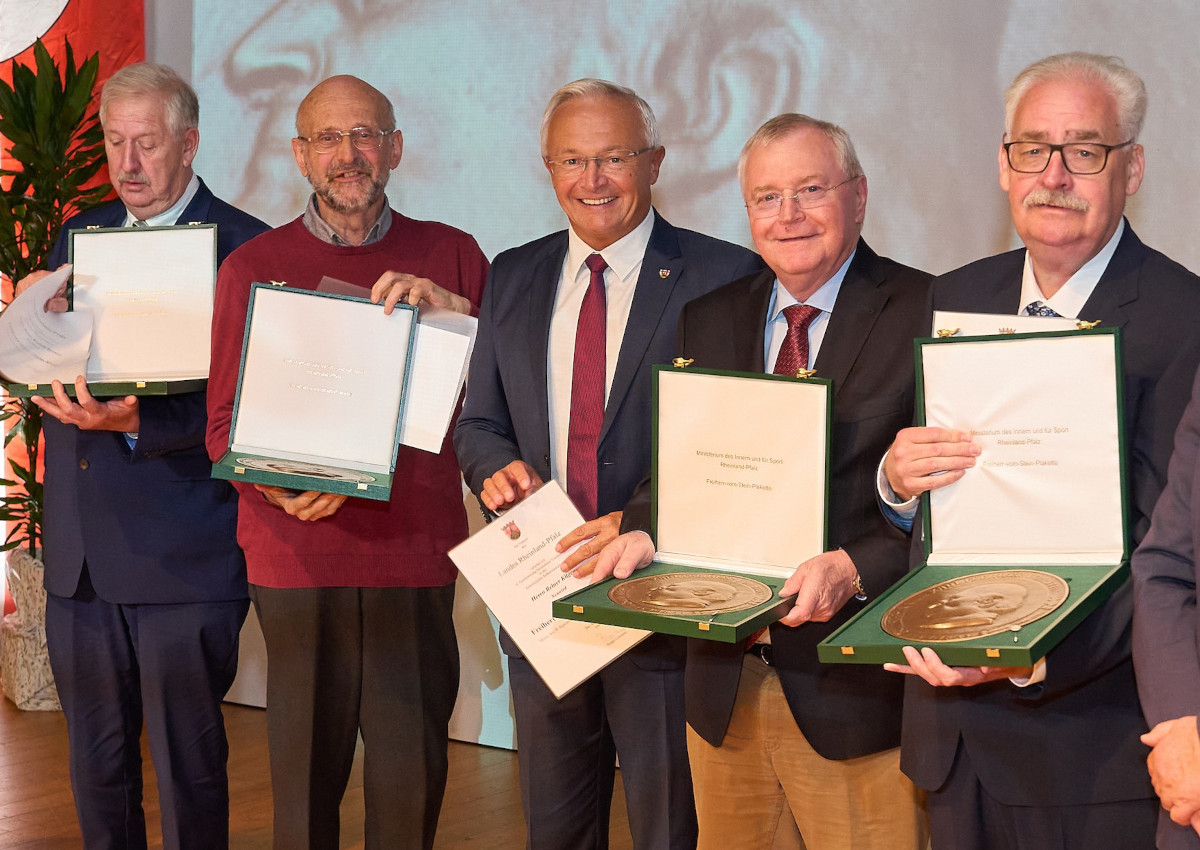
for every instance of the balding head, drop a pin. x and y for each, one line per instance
(345, 90)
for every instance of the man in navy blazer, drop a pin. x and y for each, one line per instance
(1050, 756)
(146, 584)
(521, 422)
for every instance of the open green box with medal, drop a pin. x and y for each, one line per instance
(740, 483)
(321, 390)
(1034, 537)
(149, 293)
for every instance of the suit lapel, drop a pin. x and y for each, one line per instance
(749, 311)
(662, 268)
(858, 306)
(539, 307)
(197, 208)
(1118, 286)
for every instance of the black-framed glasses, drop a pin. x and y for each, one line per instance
(768, 204)
(363, 138)
(1077, 157)
(610, 163)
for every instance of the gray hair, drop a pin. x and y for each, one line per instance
(592, 88)
(1124, 85)
(143, 79)
(791, 122)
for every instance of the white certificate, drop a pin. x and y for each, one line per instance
(1046, 486)
(36, 346)
(150, 291)
(989, 324)
(513, 566)
(322, 378)
(741, 471)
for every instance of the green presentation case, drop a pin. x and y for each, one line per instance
(593, 604)
(862, 640)
(149, 385)
(379, 488)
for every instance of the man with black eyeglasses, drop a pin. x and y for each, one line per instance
(1049, 756)
(560, 388)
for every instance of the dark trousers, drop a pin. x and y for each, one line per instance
(340, 660)
(964, 816)
(169, 664)
(566, 749)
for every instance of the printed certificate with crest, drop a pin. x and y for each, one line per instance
(513, 566)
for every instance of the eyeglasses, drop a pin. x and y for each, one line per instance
(768, 204)
(1077, 157)
(327, 141)
(610, 163)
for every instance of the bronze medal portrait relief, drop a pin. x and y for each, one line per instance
(689, 594)
(975, 606)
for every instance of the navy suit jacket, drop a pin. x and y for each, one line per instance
(844, 711)
(505, 416)
(1073, 739)
(151, 522)
(1166, 628)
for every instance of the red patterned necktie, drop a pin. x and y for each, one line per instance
(587, 392)
(793, 354)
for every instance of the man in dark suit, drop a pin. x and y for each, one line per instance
(772, 730)
(537, 408)
(1049, 756)
(1166, 633)
(146, 585)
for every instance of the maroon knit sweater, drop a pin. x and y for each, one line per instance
(399, 543)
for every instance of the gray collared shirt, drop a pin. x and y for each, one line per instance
(319, 228)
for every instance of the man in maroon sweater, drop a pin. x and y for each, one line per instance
(354, 596)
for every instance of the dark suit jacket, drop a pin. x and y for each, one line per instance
(1073, 739)
(1166, 628)
(844, 711)
(151, 523)
(505, 416)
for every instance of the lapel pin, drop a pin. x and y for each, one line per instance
(664, 273)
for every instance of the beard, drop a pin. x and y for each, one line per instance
(348, 200)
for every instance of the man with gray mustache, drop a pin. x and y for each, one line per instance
(1049, 756)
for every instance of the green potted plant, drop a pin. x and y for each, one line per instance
(46, 116)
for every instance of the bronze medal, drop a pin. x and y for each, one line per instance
(690, 594)
(974, 606)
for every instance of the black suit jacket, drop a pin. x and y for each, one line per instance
(505, 415)
(844, 711)
(151, 522)
(1073, 739)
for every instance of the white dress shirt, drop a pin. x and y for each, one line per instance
(624, 258)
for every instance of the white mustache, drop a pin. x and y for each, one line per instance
(1055, 198)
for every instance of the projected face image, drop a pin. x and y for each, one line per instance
(469, 90)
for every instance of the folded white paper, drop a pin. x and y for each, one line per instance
(514, 568)
(37, 346)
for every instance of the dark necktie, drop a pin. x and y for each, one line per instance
(140, 223)
(587, 393)
(1039, 308)
(793, 354)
